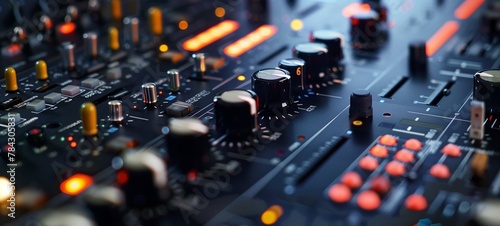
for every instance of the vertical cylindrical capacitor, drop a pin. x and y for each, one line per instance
(115, 111)
(88, 114)
(113, 39)
(174, 79)
(41, 70)
(131, 30)
(199, 63)
(68, 55)
(149, 94)
(91, 45)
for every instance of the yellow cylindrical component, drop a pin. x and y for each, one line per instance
(10, 79)
(114, 39)
(89, 119)
(116, 10)
(41, 70)
(155, 20)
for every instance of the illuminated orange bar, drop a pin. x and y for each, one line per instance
(250, 40)
(467, 8)
(441, 37)
(76, 184)
(354, 8)
(211, 35)
(67, 28)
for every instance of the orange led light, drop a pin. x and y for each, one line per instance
(70, 138)
(220, 12)
(14, 49)
(271, 215)
(354, 8)
(441, 37)
(183, 25)
(73, 144)
(211, 35)
(250, 40)
(67, 28)
(76, 184)
(467, 8)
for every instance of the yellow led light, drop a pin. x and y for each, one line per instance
(183, 25)
(271, 215)
(210, 35)
(251, 40)
(296, 25)
(163, 48)
(220, 12)
(357, 123)
(4, 189)
(76, 184)
(241, 78)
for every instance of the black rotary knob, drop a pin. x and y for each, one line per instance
(418, 56)
(236, 113)
(487, 89)
(315, 56)
(273, 87)
(365, 30)
(333, 41)
(379, 7)
(106, 204)
(295, 67)
(361, 104)
(144, 179)
(36, 136)
(187, 143)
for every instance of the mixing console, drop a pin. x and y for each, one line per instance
(249, 112)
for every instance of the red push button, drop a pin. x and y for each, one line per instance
(405, 156)
(413, 144)
(440, 171)
(388, 140)
(368, 163)
(368, 200)
(381, 185)
(339, 193)
(451, 150)
(395, 169)
(352, 180)
(416, 202)
(379, 151)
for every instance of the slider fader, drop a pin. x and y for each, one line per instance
(249, 112)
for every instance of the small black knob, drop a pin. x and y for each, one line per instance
(295, 67)
(379, 7)
(361, 104)
(315, 56)
(487, 89)
(236, 113)
(187, 143)
(418, 56)
(143, 178)
(272, 86)
(36, 136)
(333, 41)
(365, 30)
(106, 204)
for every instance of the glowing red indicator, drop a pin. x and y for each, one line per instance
(67, 28)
